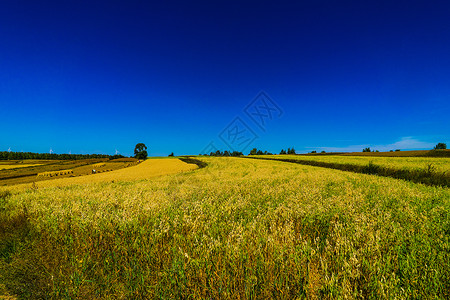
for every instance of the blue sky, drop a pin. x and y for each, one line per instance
(101, 76)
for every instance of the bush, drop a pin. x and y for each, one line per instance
(440, 146)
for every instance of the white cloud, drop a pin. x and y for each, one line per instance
(405, 143)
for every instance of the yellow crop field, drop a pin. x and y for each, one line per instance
(441, 164)
(14, 166)
(235, 229)
(145, 170)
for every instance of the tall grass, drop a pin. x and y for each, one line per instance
(234, 229)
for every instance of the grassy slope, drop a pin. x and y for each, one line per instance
(234, 229)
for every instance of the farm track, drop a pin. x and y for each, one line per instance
(424, 176)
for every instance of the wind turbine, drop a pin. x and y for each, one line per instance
(117, 152)
(51, 151)
(9, 149)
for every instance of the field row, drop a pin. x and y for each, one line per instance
(410, 163)
(435, 171)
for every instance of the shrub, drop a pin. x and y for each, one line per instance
(440, 146)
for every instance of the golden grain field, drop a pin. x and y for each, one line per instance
(14, 166)
(145, 170)
(236, 229)
(441, 164)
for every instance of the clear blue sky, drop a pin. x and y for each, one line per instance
(96, 76)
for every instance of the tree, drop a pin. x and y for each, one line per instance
(171, 154)
(366, 149)
(440, 146)
(282, 151)
(253, 151)
(140, 151)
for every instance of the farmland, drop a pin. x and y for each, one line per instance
(428, 170)
(237, 228)
(18, 172)
(410, 163)
(15, 166)
(133, 171)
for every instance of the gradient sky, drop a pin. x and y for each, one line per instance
(101, 76)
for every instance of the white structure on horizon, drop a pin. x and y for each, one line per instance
(9, 149)
(51, 151)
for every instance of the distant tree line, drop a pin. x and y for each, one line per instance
(255, 151)
(439, 146)
(224, 153)
(5, 155)
(368, 150)
(289, 151)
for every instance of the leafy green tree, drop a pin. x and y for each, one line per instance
(140, 151)
(253, 151)
(171, 154)
(366, 149)
(440, 146)
(282, 151)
